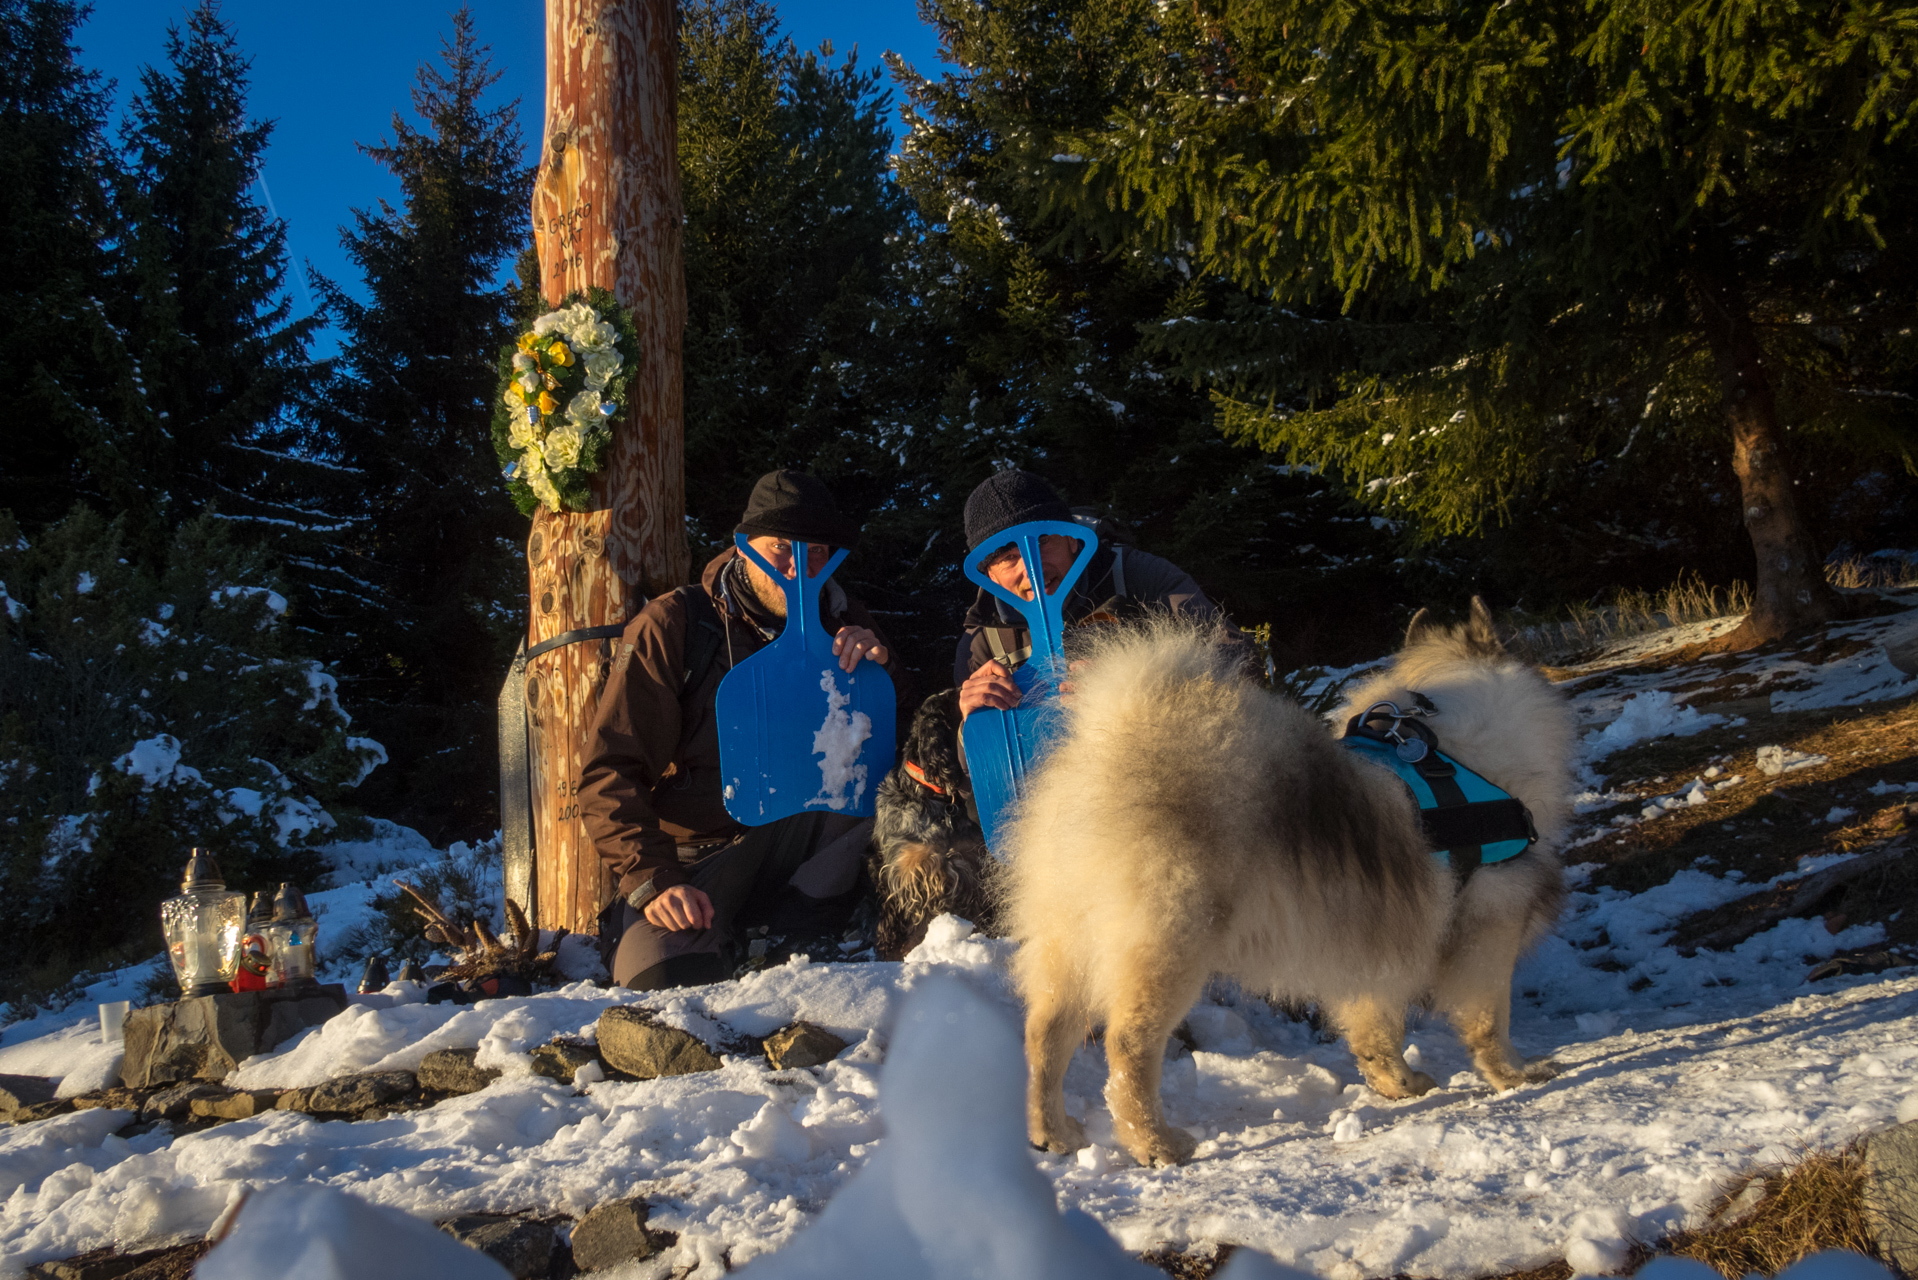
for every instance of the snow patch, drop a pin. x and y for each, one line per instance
(839, 739)
(1643, 717)
(1774, 760)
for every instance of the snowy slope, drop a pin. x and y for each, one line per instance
(1678, 1071)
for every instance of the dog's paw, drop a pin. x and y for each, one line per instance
(1167, 1147)
(1539, 1070)
(1395, 1080)
(1531, 1071)
(1158, 1146)
(1062, 1138)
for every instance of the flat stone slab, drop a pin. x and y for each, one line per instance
(43, 1110)
(205, 1037)
(611, 1234)
(559, 1060)
(126, 1099)
(100, 1264)
(356, 1095)
(521, 1245)
(177, 1101)
(1891, 1194)
(235, 1106)
(632, 1042)
(802, 1045)
(24, 1091)
(452, 1071)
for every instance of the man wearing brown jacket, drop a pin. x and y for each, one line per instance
(690, 877)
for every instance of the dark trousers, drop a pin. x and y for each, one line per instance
(795, 874)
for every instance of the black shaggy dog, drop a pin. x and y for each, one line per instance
(930, 853)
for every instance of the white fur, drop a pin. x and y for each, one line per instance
(1189, 823)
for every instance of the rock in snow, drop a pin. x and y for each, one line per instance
(631, 1041)
(452, 1071)
(612, 1234)
(1891, 1193)
(802, 1045)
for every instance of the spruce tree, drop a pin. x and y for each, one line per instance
(1004, 345)
(222, 360)
(1546, 240)
(427, 595)
(783, 160)
(74, 399)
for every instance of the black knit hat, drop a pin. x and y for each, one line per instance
(1008, 498)
(792, 504)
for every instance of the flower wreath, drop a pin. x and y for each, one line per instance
(562, 387)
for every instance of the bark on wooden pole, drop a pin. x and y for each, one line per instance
(606, 212)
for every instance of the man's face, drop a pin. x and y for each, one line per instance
(779, 553)
(1008, 568)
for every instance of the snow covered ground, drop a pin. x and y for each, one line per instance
(1678, 1072)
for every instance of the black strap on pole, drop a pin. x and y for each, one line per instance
(516, 768)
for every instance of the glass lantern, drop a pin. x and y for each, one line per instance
(291, 940)
(203, 928)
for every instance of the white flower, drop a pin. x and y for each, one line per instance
(583, 411)
(561, 449)
(565, 321)
(541, 482)
(600, 367)
(522, 434)
(530, 381)
(522, 361)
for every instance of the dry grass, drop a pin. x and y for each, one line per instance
(1814, 1204)
(1885, 570)
(1585, 627)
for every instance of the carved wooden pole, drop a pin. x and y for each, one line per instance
(606, 212)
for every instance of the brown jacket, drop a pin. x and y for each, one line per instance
(652, 778)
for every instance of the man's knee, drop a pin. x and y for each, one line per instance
(692, 970)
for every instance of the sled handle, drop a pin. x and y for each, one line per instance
(802, 589)
(1045, 612)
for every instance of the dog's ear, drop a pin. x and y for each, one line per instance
(935, 741)
(1481, 633)
(1421, 624)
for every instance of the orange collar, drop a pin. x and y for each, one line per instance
(919, 776)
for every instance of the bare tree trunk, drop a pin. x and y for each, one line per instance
(606, 212)
(1790, 592)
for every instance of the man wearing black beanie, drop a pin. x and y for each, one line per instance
(1120, 581)
(691, 879)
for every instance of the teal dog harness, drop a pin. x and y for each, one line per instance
(1467, 820)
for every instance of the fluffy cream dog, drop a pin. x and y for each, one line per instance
(1189, 823)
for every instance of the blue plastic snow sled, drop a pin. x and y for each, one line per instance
(797, 734)
(1002, 747)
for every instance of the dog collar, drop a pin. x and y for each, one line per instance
(919, 776)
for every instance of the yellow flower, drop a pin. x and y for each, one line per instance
(562, 355)
(546, 402)
(527, 341)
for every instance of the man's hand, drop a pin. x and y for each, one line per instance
(680, 907)
(989, 686)
(854, 643)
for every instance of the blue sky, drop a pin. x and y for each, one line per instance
(332, 74)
